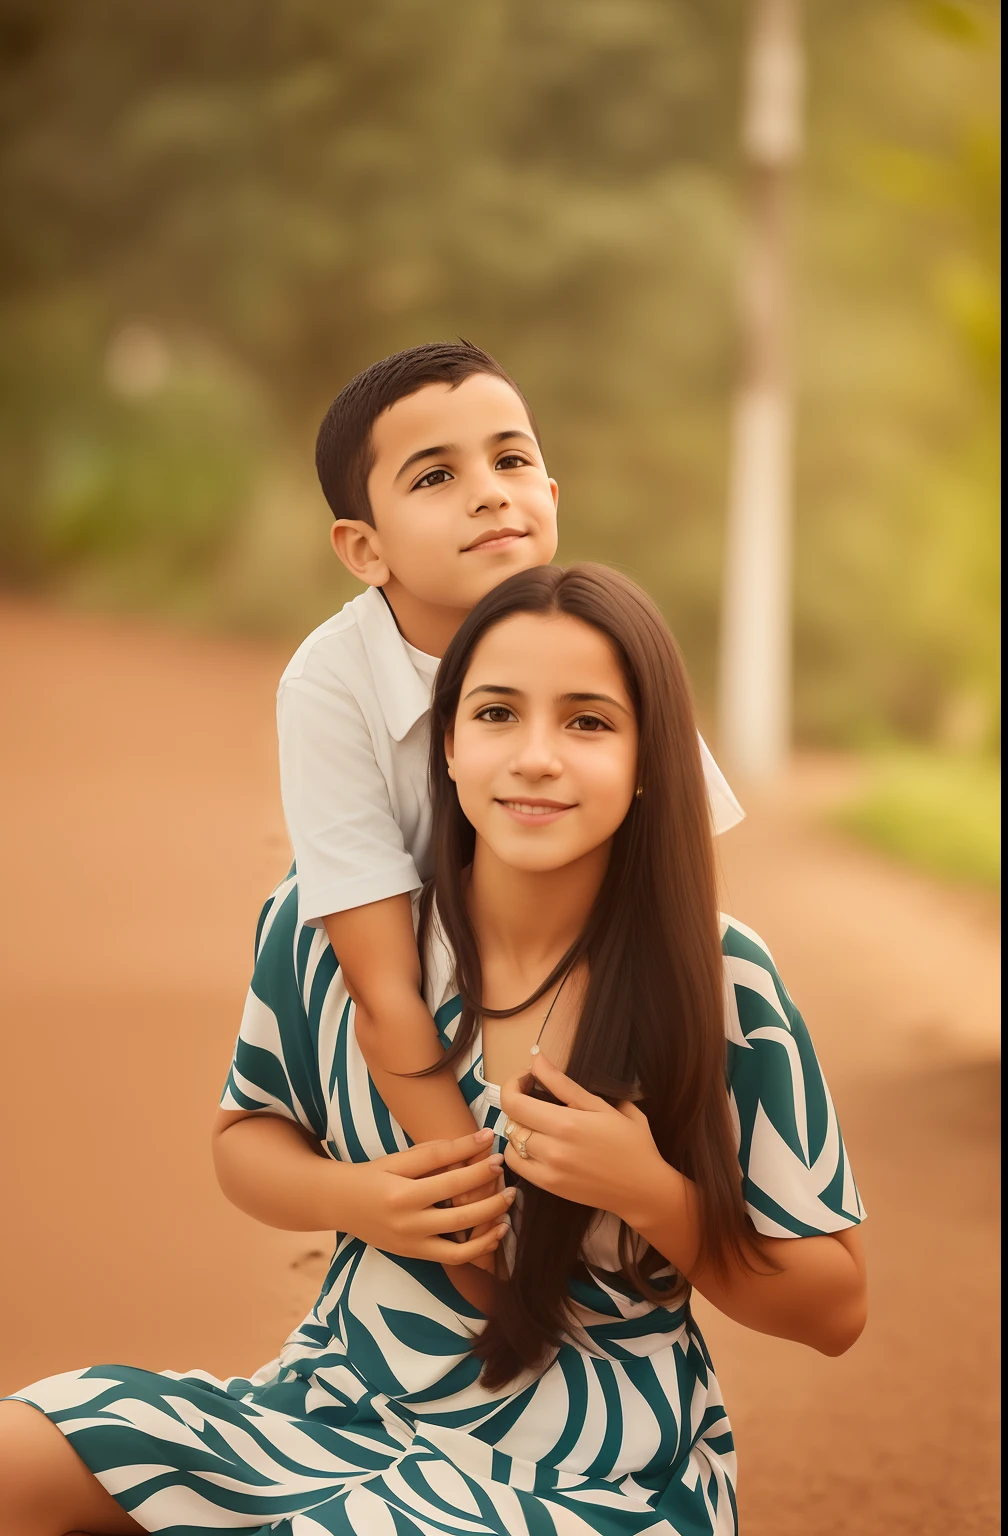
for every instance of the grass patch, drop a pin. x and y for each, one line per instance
(939, 812)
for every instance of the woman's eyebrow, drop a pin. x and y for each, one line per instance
(563, 698)
(592, 698)
(512, 693)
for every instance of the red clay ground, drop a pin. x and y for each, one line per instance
(142, 829)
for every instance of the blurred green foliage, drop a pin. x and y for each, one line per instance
(939, 811)
(216, 214)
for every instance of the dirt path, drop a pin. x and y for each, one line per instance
(141, 829)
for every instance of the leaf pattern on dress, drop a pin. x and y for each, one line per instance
(372, 1420)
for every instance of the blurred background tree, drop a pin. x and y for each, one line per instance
(214, 215)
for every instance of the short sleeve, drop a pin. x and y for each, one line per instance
(275, 1066)
(347, 844)
(797, 1179)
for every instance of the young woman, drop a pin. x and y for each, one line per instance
(675, 1132)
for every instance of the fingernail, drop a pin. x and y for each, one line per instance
(484, 1135)
(496, 1159)
(510, 1192)
(505, 1222)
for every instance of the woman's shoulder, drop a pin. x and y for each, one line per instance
(295, 969)
(278, 917)
(746, 943)
(289, 952)
(755, 995)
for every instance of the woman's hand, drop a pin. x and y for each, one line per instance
(813, 1290)
(395, 1202)
(583, 1148)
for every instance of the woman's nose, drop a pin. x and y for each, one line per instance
(537, 757)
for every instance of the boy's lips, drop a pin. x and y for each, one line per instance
(494, 538)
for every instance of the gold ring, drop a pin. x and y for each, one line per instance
(511, 1138)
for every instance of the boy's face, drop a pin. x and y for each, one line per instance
(459, 492)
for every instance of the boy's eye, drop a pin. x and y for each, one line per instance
(589, 723)
(431, 478)
(496, 714)
(511, 461)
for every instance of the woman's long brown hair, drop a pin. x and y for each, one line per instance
(652, 1016)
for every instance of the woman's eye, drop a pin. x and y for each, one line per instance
(589, 723)
(511, 461)
(496, 714)
(431, 478)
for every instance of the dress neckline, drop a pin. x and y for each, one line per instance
(491, 1090)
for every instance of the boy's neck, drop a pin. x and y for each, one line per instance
(426, 626)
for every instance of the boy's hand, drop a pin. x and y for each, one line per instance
(486, 1261)
(409, 1205)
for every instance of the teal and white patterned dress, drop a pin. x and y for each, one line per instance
(372, 1420)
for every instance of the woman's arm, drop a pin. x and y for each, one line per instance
(273, 1170)
(817, 1294)
(276, 1172)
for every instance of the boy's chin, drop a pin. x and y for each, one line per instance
(508, 564)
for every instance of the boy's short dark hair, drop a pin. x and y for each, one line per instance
(344, 451)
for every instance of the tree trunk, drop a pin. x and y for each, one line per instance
(756, 620)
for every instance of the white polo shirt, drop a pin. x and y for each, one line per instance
(353, 720)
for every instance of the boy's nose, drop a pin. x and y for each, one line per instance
(488, 496)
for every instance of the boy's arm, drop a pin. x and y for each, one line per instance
(347, 843)
(376, 949)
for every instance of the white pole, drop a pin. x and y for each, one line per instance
(756, 618)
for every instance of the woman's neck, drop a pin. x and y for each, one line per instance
(526, 920)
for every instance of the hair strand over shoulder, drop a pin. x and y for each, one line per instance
(652, 1016)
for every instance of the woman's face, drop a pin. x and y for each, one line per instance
(544, 749)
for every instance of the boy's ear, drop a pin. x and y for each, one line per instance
(358, 546)
(449, 752)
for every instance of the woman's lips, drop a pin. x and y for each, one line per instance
(534, 812)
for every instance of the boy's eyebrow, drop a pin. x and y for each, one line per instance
(440, 449)
(426, 453)
(501, 437)
(564, 698)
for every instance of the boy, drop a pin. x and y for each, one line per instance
(431, 463)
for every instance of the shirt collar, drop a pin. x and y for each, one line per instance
(403, 695)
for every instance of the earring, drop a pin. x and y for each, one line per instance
(640, 791)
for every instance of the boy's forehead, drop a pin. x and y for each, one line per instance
(438, 415)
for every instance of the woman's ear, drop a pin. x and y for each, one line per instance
(358, 546)
(449, 752)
